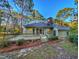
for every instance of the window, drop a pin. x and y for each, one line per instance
(33, 31)
(67, 33)
(54, 33)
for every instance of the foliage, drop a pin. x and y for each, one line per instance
(60, 22)
(36, 15)
(1, 15)
(4, 43)
(17, 30)
(74, 27)
(19, 42)
(4, 3)
(1, 29)
(52, 37)
(73, 38)
(23, 5)
(76, 1)
(64, 13)
(69, 47)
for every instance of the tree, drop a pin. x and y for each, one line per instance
(70, 12)
(64, 13)
(26, 6)
(59, 22)
(5, 6)
(1, 15)
(76, 1)
(36, 15)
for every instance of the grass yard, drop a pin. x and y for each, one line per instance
(69, 47)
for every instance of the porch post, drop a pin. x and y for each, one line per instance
(56, 32)
(35, 31)
(42, 30)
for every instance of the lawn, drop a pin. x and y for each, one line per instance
(71, 48)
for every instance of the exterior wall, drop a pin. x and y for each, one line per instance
(36, 32)
(45, 31)
(29, 31)
(56, 30)
(62, 34)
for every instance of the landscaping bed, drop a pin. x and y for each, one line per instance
(26, 44)
(13, 46)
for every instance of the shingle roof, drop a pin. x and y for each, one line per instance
(42, 24)
(61, 27)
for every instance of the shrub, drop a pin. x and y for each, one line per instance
(55, 37)
(19, 42)
(17, 31)
(51, 37)
(73, 38)
(4, 43)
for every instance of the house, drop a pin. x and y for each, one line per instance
(45, 28)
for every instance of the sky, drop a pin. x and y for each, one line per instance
(48, 8)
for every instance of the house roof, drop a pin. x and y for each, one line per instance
(61, 27)
(43, 24)
(40, 24)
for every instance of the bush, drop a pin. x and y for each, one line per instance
(17, 31)
(73, 38)
(4, 43)
(51, 37)
(19, 42)
(55, 37)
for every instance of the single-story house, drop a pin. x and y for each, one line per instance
(45, 28)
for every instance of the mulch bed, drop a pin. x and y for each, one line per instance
(51, 42)
(14, 47)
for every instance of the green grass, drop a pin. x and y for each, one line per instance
(69, 47)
